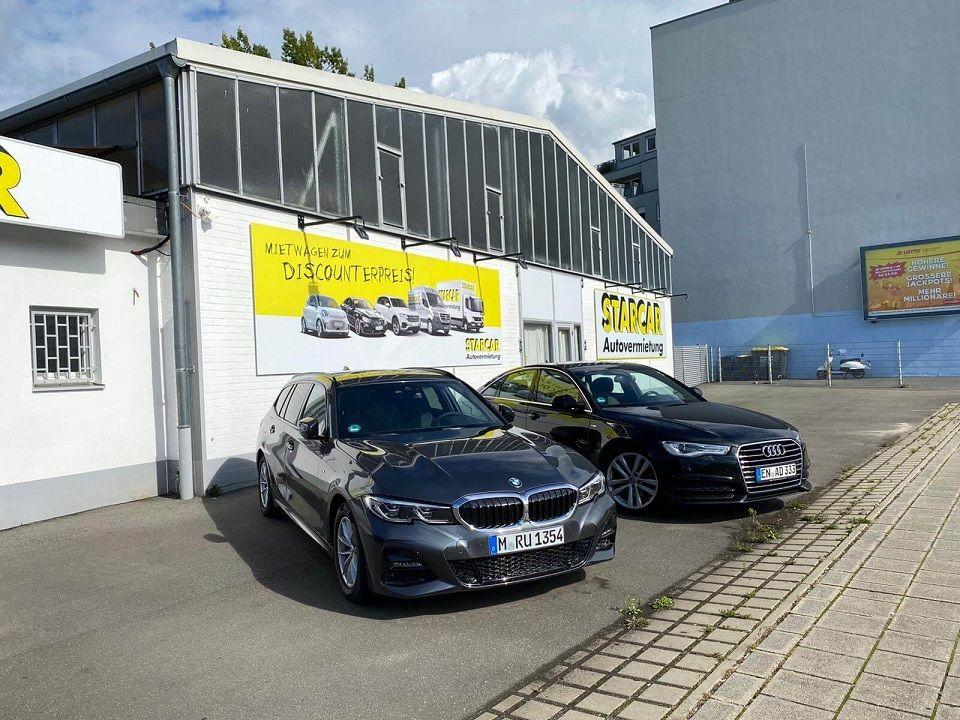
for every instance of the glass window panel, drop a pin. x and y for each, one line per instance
(414, 172)
(604, 227)
(539, 208)
(508, 163)
(388, 126)
(363, 161)
(117, 132)
(478, 223)
(494, 220)
(331, 156)
(296, 148)
(583, 220)
(437, 176)
(217, 131)
(457, 161)
(537, 346)
(595, 222)
(259, 152)
(624, 247)
(42, 135)
(76, 130)
(609, 250)
(153, 139)
(563, 209)
(491, 156)
(631, 265)
(391, 196)
(524, 195)
(550, 192)
(618, 247)
(576, 215)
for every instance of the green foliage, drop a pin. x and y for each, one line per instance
(369, 74)
(662, 603)
(401, 83)
(213, 491)
(241, 43)
(632, 614)
(303, 50)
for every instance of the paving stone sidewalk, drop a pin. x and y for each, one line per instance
(854, 612)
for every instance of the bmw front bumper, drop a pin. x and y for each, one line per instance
(418, 559)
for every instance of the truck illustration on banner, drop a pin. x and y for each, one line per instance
(466, 306)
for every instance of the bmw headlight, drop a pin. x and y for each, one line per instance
(401, 511)
(593, 489)
(692, 450)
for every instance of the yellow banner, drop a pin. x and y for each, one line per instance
(912, 278)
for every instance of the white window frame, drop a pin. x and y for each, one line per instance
(87, 354)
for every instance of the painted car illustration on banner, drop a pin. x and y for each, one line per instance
(325, 304)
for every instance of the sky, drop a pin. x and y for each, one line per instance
(584, 65)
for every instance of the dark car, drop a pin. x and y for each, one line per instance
(363, 318)
(416, 486)
(655, 438)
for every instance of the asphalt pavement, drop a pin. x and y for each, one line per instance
(204, 609)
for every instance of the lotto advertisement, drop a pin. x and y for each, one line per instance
(920, 278)
(630, 326)
(330, 305)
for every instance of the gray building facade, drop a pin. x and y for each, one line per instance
(633, 171)
(793, 133)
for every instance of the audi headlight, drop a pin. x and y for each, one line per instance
(401, 511)
(593, 489)
(692, 450)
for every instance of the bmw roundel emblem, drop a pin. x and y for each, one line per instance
(515, 482)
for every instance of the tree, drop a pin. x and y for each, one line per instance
(241, 42)
(302, 50)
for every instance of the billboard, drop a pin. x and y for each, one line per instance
(322, 304)
(50, 188)
(912, 278)
(630, 326)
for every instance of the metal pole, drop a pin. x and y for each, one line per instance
(719, 366)
(899, 366)
(170, 69)
(829, 366)
(769, 365)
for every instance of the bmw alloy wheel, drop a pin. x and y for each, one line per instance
(347, 558)
(632, 481)
(264, 485)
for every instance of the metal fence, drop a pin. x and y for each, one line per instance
(691, 364)
(884, 363)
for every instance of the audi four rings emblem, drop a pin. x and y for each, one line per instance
(772, 451)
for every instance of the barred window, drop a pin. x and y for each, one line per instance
(65, 349)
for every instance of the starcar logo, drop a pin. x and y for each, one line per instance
(9, 179)
(772, 451)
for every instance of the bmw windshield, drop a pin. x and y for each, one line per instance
(416, 406)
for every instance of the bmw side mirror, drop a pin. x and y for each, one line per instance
(309, 428)
(507, 413)
(697, 391)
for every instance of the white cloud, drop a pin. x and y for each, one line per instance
(590, 105)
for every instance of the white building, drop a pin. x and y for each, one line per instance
(395, 190)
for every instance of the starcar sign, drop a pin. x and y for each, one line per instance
(630, 326)
(50, 188)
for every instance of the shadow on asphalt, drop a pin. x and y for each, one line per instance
(700, 514)
(285, 561)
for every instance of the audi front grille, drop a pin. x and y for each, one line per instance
(751, 457)
(551, 504)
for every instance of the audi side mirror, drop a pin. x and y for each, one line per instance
(566, 402)
(309, 428)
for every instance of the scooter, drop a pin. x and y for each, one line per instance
(851, 367)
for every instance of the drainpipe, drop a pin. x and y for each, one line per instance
(170, 69)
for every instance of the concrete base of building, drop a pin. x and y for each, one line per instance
(27, 502)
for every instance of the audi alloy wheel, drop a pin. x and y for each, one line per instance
(632, 481)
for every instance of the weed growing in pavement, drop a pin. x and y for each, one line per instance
(758, 532)
(832, 526)
(632, 614)
(707, 630)
(818, 518)
(750, 595)
(797, 505)
(662, 603)
(731, 613)
(213, 491)
(860, 520)
(742, 547)
(772, 553)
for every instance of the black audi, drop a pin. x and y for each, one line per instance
(416, 485)
(653, 437)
